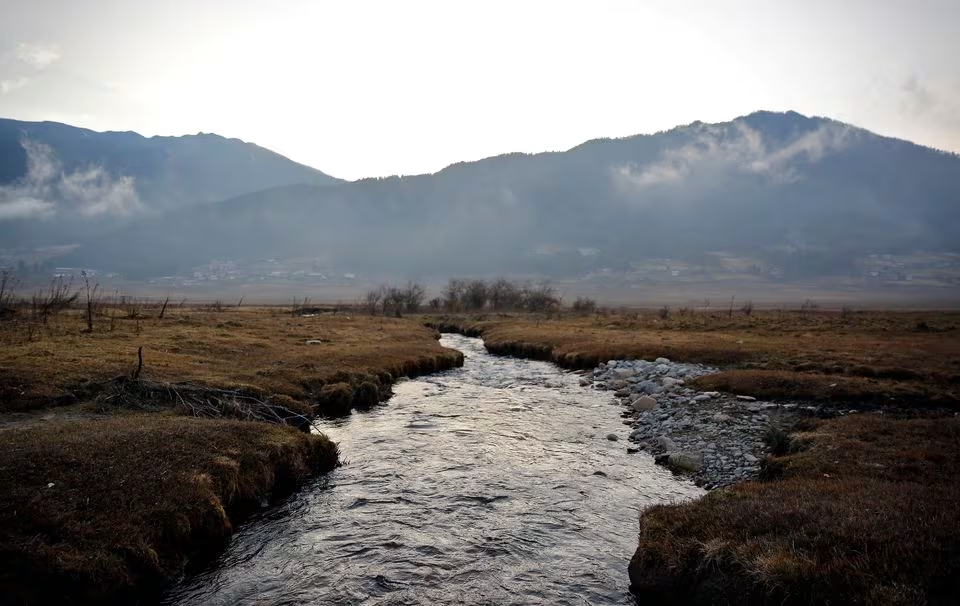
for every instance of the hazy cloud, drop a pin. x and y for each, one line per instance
(47, 190)
(922, 100)
(38, 55)
(735, 147)
(11, 84)
(24, 207)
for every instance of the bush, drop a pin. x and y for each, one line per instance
(584, 305)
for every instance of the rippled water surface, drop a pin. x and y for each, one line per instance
(490, 484)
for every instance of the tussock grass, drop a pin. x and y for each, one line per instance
(871, 357)
(261, 351)
(107, 510)
(867, 512)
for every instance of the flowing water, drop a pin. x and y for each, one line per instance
(494, 483)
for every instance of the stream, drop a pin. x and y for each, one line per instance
(493, 483)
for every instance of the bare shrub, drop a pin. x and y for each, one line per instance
(8, 297)
(540, 298)
(504, 294)
(58, 297)
(453, 294)
(163, 307)
(584, 305)
(413, 295)
(92, 299)
(371, 300)
(846, 313)
(663, 313)
(747, 308)
(392, 303)
(216, 306)
(475, 295)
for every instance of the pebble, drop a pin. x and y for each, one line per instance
(723, 432)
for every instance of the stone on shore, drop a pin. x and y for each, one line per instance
(644, 403)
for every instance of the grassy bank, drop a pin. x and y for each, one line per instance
(109, 510)
(867, 513)
(110, 480)
(332, 362)
(861, 509)
(859, 357)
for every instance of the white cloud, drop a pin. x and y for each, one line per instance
(95, 193)
(24, 207)
(38, 55)
(12, 84)
(47, 190)
(730, 148)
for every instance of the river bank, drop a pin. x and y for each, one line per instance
(492, 483)
(111, 482)
(823, 521)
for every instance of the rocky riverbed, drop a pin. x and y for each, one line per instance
(718, 438)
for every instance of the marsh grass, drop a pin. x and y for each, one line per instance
(107, 510)
(263, 352)
(869, 357)
(867, 512)
(102, 502)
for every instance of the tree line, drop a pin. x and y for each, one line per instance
(470, 295)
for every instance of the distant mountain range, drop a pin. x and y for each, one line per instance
(59, 182)
(798, 196)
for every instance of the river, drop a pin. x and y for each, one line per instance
(493, 483)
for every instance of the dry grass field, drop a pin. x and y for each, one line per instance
(109, 481)
(865, 511)
(861, 357)
(264, 351)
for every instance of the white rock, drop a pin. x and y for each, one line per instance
(686, 461)
(747, 398)
(666, 443)
(644, 403)
(661, 361)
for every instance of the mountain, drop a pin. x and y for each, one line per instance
(796, 196)
(59, 182)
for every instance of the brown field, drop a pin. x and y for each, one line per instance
(108, 510)
(264, 351)
(865, 357)
(867, 512)
(861, 509)
(108, 484)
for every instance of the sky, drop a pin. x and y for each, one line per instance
(374, 88)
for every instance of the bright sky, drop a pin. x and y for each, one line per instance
(368, 88)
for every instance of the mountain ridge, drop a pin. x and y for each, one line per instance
(804, 196)
(797, 196)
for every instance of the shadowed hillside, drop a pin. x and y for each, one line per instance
(797, 196)
(59, 183)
